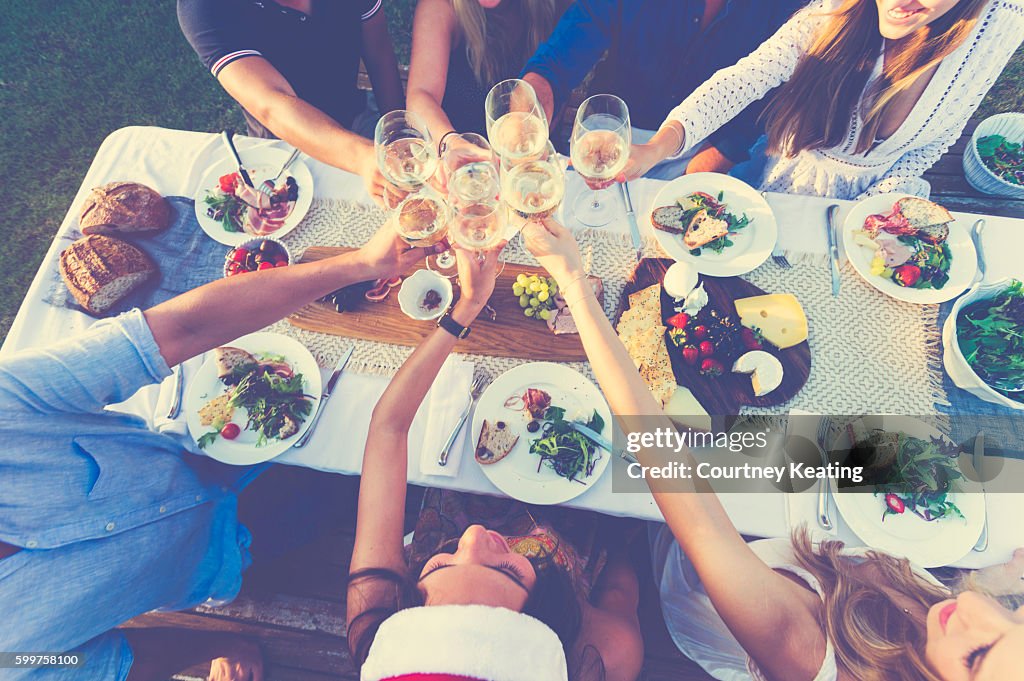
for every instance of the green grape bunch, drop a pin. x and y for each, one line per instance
(536, 295)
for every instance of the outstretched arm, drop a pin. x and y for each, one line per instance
(433, 31)
(381, 63)
(774, 619)
(381, 511)
(205, 317)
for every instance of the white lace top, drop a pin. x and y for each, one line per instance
(892, 165)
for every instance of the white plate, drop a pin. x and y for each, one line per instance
(928, 544)
(516, 475)
(262, 164)
(961, 270)
(751, 246)
(242, 451)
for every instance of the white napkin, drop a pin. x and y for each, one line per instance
(447, 398)
(802, 507)
(179, 425)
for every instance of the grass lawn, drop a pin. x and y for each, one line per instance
(72, 71)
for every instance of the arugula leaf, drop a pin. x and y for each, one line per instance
(207, 439)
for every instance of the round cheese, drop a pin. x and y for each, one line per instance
(764, 368)
(680, 279)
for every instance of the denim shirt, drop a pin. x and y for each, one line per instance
(658, 54)
(113, 519)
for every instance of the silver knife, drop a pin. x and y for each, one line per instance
(227, 137)
(598, 439)
(977, 460)
(634, 229)
(179, 386)
(331, 382)
(833, 245)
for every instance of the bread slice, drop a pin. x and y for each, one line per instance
(99, 271)
(496, 442)
(922, 213)
(703, 229)
(124, 208)
(218, 410)
(668, 219)
(935, 234)
(232, 363)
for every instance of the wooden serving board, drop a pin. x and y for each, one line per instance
(512, 334)
(725, 394)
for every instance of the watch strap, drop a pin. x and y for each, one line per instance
(451, 326)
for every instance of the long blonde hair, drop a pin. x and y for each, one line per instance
(835, 71)
(874, 638)
(492, 47)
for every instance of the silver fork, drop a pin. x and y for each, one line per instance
(778, 255)
(824, 490)
(267, 186)
(479, 383)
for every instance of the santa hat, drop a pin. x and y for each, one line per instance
(464, 642)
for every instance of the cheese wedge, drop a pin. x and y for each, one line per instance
(778, 316)
(764, 368)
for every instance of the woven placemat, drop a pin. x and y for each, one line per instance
(870, 353)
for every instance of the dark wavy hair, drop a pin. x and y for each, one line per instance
(552, 600)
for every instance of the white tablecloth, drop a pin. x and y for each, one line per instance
(171, 161)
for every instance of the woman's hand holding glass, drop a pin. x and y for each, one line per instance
(477, 275)
(555, 249)
(642, 157)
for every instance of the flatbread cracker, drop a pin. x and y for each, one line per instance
(648, 298)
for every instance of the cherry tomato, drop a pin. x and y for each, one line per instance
(895, 504)
(228, 183)
(280, 260)
(281, 263)
(230, 431)
(239, 254)
(266, 266)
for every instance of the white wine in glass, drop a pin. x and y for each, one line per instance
(470, 168)
(533, 189)
(421, 219)
(599, 149)
(478, 226)
(406, 155)
(516, 124)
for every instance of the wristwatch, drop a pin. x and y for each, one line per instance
(451, 326)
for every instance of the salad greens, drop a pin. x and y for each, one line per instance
(918, 477)
(276, 406)
(1005, 159)
(227, 209)
(716, 209)
(570, 454)
(991, 337)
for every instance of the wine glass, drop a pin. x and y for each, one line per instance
(469, 168)
(478, 226)
(516, 124)
(533, 187)
(421, 218)
(406, 154)
(599, 149)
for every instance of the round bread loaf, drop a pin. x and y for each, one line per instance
(124, 208)
(101, 270)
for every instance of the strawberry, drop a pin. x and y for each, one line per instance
(706, 348)
(690, 354)
(700, 331)
(678, 321)
(751, 339)
(711, 367)
(906, 275)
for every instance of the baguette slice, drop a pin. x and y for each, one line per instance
(921, 213)
(100, 271)
(935, 234)
(496, 442)
(668, 219)
(703, 229)
(124, 208)
(229, 359)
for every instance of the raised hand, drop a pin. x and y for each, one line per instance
(477, 274)
(555, 249)
(386, 255)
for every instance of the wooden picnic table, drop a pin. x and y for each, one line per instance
(295, 607)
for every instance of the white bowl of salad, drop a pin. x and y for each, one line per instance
(983, 341)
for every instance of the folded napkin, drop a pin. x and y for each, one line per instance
(802, 507)
(179, 424)
(447, 398)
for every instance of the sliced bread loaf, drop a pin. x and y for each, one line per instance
(124, 208)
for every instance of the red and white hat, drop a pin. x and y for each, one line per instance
(463, 643)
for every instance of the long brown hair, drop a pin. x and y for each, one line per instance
(492, 47)
(834, 73)
(874, 638)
